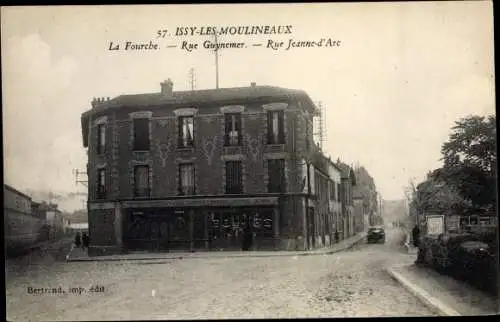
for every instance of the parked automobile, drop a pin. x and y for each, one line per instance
(375, 234)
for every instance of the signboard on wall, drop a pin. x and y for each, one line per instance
(435, 225)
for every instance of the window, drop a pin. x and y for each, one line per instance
(141, 181)
(307, 135)
(101, 184)
(141, 134)
(317, 187)
(276, 170)
(186, 179)
(186, 135)
(101, 138)
(233, 177)
(333, 191)
(338, 191)
(232, 129)
(275, 127)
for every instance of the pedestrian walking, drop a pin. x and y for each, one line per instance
(336, 236)
(416, 235)
(85, 240)
(78, 240)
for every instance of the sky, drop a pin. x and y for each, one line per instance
(402, 75)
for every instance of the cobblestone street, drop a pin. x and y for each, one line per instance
(346, 284)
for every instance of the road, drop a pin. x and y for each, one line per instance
(346, 284)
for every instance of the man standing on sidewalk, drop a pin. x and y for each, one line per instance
(415, 235)
(78, 240)
(85, 241)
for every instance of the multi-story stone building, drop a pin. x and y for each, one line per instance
(335, 175)
(191, 169)
(348, 182)
(326, 214)
(359, 212)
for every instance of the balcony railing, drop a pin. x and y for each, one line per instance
(233, 138)
(186, 190)
(101, 192)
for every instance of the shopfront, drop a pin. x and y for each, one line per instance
(201, 224)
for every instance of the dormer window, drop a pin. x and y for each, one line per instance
(232, 129)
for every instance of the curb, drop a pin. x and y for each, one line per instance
(247, 255)
(431, 302)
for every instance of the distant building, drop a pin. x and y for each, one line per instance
(360, 216)
(79, 227)
(186, 170)
(66, 225)
(348, 182)
(21, 227)
(335, 208)
(52, 217)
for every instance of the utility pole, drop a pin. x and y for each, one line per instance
(216, 51)
(319, 126)
(77, 173)
(192, 79)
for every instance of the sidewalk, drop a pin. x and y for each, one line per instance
(443, 294)
(79, 255)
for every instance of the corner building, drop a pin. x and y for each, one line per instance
(185, 170)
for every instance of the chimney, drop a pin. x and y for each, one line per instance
(167, 87)
(253, 84)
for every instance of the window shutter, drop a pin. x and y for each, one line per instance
(190, 130)
(238, 127)
(98, 184)
(240, 178)
(147, 171)
(179, 134)
(276, 175)
(227, 129)
(270, 175)
(269, 127)
(141, 134)
(179, 181)
(283, 175)
(193, 176)
(146, 134)
(281, 127)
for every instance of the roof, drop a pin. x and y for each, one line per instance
(346, 172)
(202, 96)
(356, 193)
(6, 186)
(186, 98)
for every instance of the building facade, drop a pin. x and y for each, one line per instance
(359, 214)
(194, 170)
(21, 227)
(54, 222)
(348, 183)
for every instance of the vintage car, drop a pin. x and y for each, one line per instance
(375, 234)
